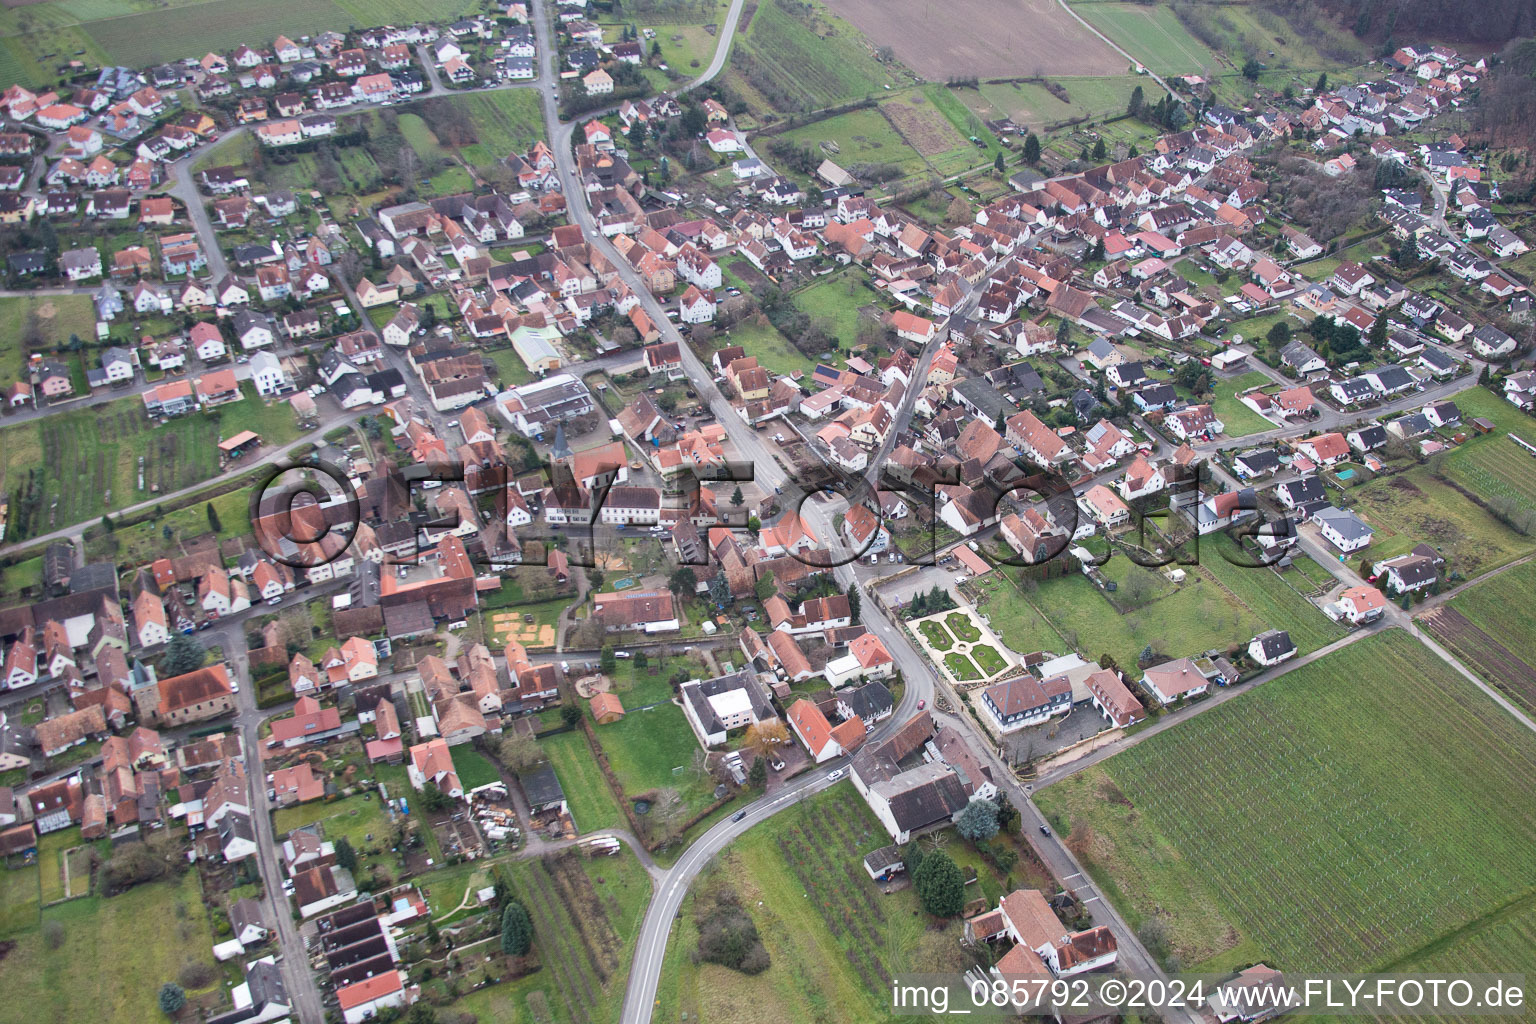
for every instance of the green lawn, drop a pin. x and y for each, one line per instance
(961, 667)
(773, 351)
(1194, 617)
(645, 747)
(1236, 418)
(52, 319)
(586, 791)
(835, 302)
(1031, 104)
(116, 954)
(962, 627)
(988, 660)
(355, 817)
(1491, 465)
(474, 768)
(858, 137)
(1276, 599)
(937, 636)
(1501, 607)
(1368, 826)
(19, 900)
(1153, 35)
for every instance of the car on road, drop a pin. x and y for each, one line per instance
(738, 815)
(622, 654)
(835, 774)
(1045, 830)
(921, 704)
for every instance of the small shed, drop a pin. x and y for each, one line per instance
(235, 446)
(606, 707)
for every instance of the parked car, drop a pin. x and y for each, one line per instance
(1045, 830)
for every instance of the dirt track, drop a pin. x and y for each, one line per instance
(942, 39)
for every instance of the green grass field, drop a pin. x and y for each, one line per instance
(586, 791)
(1194, 617)
(474, 768)
(1031, 104)
(836, 301)
(1153, 35)
(161, 35)
(800, 878)
(1277, 599)
(858, 137)
(53, 317)
(111, 965)
(1236, 418)
(652, 750)
(961, 667)
(803, 58)
(1352, 815)
(505, 122)
(774, 351)
(20, 894)
(355, 817)
(937, 636)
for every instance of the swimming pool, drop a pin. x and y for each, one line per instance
(1345, 474)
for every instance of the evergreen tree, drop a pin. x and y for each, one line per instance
(1322, 83)
(978, 822)
(213, 518)
(346, 857)
(853, 602)
(1099, 150)
(736, 498)
(997, 163)
(757, 778)
(1138, 101)
(940, 885)
(516, 930)
(1032, 149)
(172, 998)
(570, 714)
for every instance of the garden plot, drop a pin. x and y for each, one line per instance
(968, 651)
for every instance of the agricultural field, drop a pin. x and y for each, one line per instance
(1415, 507)
(800, 878)
(800, 56)
(929, 131)
(973, 37)
(36, 38)
(858, 137)
(110, 965)
(1489, 627)
(100, 448)
(1388, 811)
(1492, 466)
(584, 955)
(162, 35)
(1153, 35)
